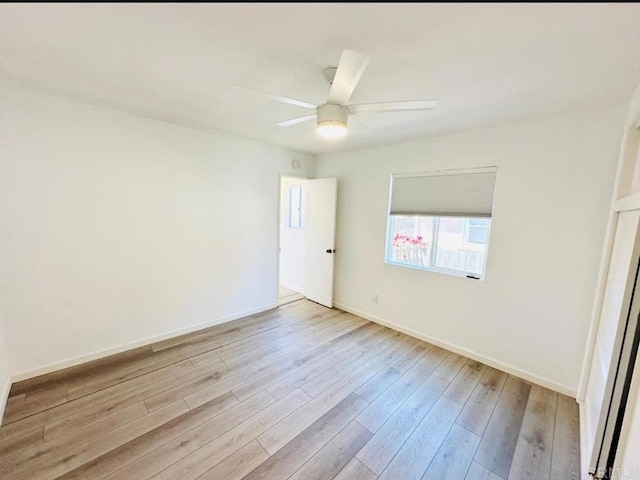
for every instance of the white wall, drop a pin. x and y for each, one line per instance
(530, 315)
(116, 229)
(292, 243)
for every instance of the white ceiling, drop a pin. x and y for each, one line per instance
(486, 63)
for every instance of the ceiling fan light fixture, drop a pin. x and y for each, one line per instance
(332, 120)
(332, 128)
(332, 116)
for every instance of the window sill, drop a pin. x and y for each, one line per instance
(444, 271)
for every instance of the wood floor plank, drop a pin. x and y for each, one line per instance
(294, 454)
(319, 384)
(450, 366)
(286, 430)
(231, 351)
(330, 334)
(238, 464)
(57, 463)
(283, 432)
(295, 380)
(416, 454)
(356, 470)
(210, 332)
(15, 400)
(335, 455)
(247, 356)
(121, 373)
(477, 411)
(246, 382)
(34, 402)
(454, 457)
(386, 404)
(269, 332)
(72, 439)
(478, 472)
(85, 370)
(465, 382)
(532, 456)
(295, 367)
(498, 443)
(368, 333)
(385, 378)
(384, 445)
(80, 412)
(154, 459)
(211, 383)
(437, 354)
(565, 463)
(18, 443)
(137, 448)
(206, 457)
(364, 334)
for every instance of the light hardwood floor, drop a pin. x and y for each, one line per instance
(300, 392)
(286, 295)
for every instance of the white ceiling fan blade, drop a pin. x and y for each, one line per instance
(350, 69)
(278, 98)
(294, 121)
(394, 106)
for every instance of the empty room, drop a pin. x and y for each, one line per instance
(348, 241)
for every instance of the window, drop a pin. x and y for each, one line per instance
(296, 205)
(441, 221)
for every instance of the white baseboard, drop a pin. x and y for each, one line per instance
(72, 362)
(530, 377)
(4, 395)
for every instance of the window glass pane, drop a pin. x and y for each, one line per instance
(478, 230)
(451, 243)
(455, 250)
(478, 235)
(295, 212)
(411, 239)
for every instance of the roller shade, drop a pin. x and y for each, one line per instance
(444, 194)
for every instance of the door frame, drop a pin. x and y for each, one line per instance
(281, 176)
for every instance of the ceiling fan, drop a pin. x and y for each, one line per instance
(331, 117)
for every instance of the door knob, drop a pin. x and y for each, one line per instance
(330, 250)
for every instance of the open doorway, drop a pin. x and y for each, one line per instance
(293, 219)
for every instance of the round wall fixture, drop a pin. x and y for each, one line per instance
(295, 163)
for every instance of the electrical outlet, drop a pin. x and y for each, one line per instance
(374, 298)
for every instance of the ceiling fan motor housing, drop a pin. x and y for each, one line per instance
(332, 114)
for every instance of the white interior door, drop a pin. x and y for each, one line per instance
(321, 233)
